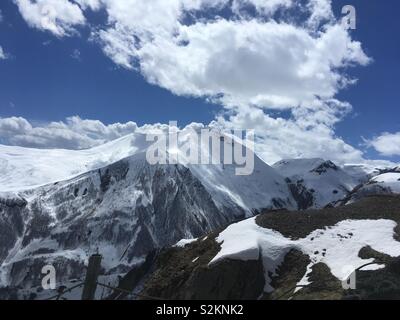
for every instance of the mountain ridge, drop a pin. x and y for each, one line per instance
(128, 208)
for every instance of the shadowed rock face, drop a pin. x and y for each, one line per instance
(123, 211)
(184, 274)
(11, 224)
(296, 225)
(324, 167)
(375, 184)
(303, 196)
(363, 191)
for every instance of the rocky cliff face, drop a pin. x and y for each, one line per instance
(123, 211)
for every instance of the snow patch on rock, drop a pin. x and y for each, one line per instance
(337, 246)
(184, 242)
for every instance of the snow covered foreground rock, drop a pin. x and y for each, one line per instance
(290, 255)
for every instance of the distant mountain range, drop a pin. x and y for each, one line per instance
(60, 206)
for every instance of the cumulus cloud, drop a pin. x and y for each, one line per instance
(57, 16)
(321, 10)
(74, 133)
(264, 59)
(265, 7)
(387, 144)
(243, 64)
(89, 4)
(238, 62)
(248, 63)
(276, 138)
(256, 57)
(279, 138)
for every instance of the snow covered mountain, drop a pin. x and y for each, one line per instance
(362, 172)
(389, 180)
(316, 182)
(26, 168)
(123, 210)
(384, 181)
(60, 206)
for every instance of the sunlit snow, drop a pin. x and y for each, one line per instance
(337, 246)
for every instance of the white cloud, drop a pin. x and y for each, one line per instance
(237, 62)
(265, 7)
(74, 133)
(57, 16)
(241, 60)
(91, 4)
(276, 138)
(321, 10)
(249, 64)
(387, 144)
(279, 138)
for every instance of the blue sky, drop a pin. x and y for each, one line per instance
(376, 96)
(42, 81)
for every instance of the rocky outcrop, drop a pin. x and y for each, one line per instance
(186, 273)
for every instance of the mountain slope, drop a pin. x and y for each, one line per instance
(282, 255)
(26, 168)
(386, 181)
(315, 182)
(60, 206)
(124, 211)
